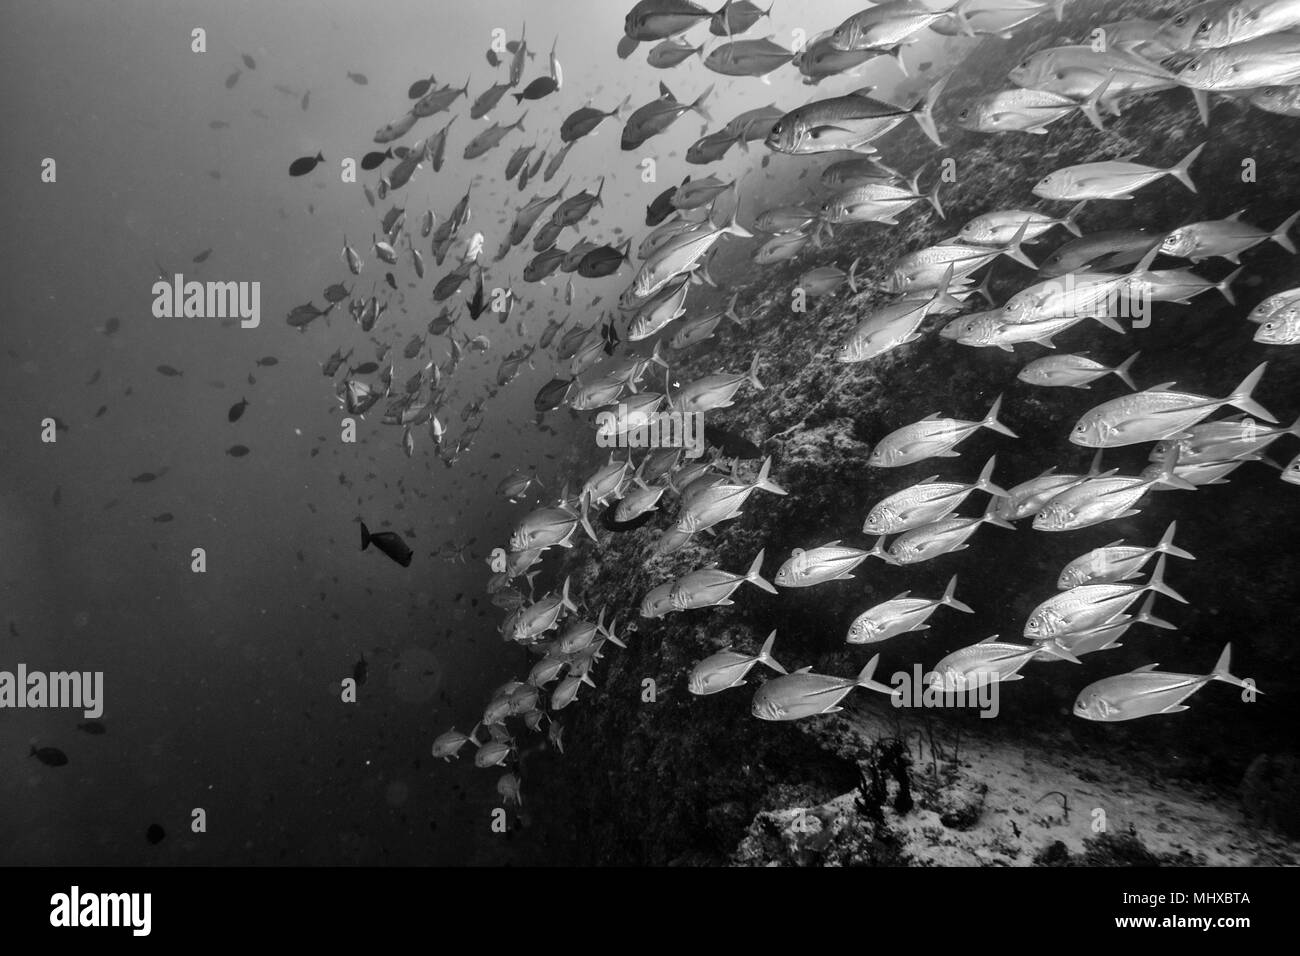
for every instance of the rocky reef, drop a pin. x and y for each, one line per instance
(654, 775)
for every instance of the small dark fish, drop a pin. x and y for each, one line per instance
(359, 670)
(169, 371)
(50, 756)
(232, 79)
(155, 834)
(358, 78)
(251, 380)
(419, 88)
(366, 368)
(112, 325)
(248, 61)
(389, 542)
(163, 518)
(237, 451)
(305, 164)
(202, 256)
(268, 361)
(551, 395)
(337, 292)
(218, 124)
(306, 98)
(102, 410)
(540, 87)
(375, 159)
(661, 207)
(93, 727)
(237, 410)
(732, 445)
(144, 477)
(392, 282)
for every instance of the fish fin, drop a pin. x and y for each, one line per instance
(1281, 236)
(951, 601)
(1174, 709)
(1144, 616)
(1157, 583)
(1221, 670)
(1241, 399)
(864, 678)
(1181, 171)
(765, 655)
(754, 577)
(985, 480)
(1166, 544)
(923, 112)
(365, 536)
(1122, 370)
(991, 420)
(1012, 249)
(1091, 108)
(1225, 287)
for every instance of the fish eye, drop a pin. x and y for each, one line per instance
(1180, 19)
(1203, 28)
(963, 114)
(778, 128)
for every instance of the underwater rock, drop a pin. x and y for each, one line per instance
(959, 806)
(1269, 792)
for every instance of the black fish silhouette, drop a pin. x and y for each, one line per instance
(389, 542)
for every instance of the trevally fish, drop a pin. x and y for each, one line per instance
(1112, 179)
(927, 502)
(1145, 692)
(1117, 562)
(901, 615)
(1160, 412)
(932, 437)
(727, 669)
(805, 694)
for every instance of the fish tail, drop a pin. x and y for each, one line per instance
(1281, 236)
(586, 522)
(1241, 399)
(1057, 650)
(734, 228)
(565, 600)
(1157, 583)
(1221, 670)
(1012, 249)
(933, 198)
(992, 517)
(753, 373)
(698, 105)
(1094, 469)
(878, 549)
(754, 577)
(765, 655)
(764, 482)
(985, 481)
(853, 275)
(951, 601)
(1181, 172)
(923, 112)
(1122, 370)
(1145, 616)
(1091, 107)
(1071, 219)
(1225, 287)
(731, 312)
(365, 536)
(865, 675)
(1166, 544)
(586, 679)
(613, 637)
(991, 420)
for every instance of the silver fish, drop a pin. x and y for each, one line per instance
(727, 669)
